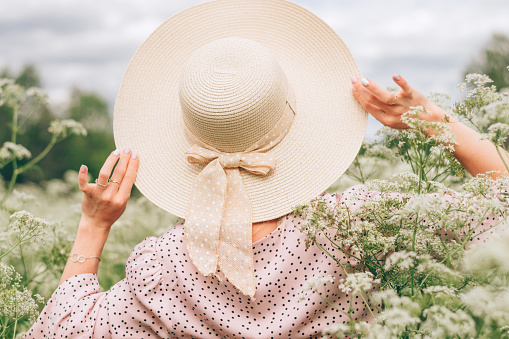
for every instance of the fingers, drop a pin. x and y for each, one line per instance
(373, 93)
(83, 184)
(105, 172)
(124, 174)
(129, 177)
(118, 173)
(405, 87)
(375, 111)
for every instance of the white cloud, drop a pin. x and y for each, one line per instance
(89, 43)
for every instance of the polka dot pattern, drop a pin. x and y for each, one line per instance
(164, 296)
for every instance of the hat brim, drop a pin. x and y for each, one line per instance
(326, 134)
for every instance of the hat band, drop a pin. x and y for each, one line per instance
(218, 227)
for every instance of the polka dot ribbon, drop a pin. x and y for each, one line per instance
(218, 227)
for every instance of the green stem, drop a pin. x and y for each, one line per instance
(15, 326)
(14, 133)
(366, 303)
(4, 327)
(9, 251)
(501, 157)
(12, 182)
(372, 302)
(22, 260)
(38, 157)
(333, 306)
(463, 243)
(340, 249)
(14, 127)
(413, 249)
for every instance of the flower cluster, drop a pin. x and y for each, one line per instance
(10, 150)
(412, 240)
(16, 302)
(28, 227)
(61, 129)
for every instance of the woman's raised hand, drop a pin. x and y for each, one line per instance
(105, 201)
(387, 107)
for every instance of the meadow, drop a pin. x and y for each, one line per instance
(430, 286)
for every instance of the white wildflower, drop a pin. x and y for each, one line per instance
(440, 99)
(8, 276)
(16, 304)
(497, 133)
(312, 285)
(488, 303)
(11, 93)
(355, 283)
(440, 270)
(401, 259)
(439, 290)
(28, 227)
(36, 92)
(317, 280)
(336, 330)
(443, 323)
(482, 259)
(11, 150)
(478, 79)
(63, 128)
(396, 320)
(378, 151)
(23, 197)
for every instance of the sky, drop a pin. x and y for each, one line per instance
(88, 44)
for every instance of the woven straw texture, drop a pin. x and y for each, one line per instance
(325, 136)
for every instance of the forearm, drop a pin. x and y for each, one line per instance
(89, 243)
(477, 156)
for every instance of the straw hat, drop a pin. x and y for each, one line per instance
(324, 137)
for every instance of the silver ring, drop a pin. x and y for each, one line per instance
(100, 184)
(114, 181)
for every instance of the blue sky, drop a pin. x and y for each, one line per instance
(88, 44)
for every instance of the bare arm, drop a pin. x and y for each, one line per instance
(101, 207)
(477, 156)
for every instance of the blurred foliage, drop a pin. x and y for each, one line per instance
(492, 60)
(88, 108)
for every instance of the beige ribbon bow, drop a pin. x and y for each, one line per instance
(218, 227)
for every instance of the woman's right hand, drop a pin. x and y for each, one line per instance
(387, 107)
(105, 201)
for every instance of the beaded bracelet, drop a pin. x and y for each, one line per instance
(80, 258)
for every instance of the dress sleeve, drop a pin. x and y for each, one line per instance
(78, 308)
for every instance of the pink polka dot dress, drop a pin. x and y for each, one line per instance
(163, 295)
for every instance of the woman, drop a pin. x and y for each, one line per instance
(261, 117)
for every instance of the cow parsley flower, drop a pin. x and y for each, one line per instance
(355, 283)
(401, 259)
(28, 227)
(441, 322)
(336, 330)
(11, 94)
(312, 285)
(10, 150)
(64, 128)
(497, 133)
(16, 302)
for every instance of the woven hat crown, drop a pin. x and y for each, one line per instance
(232, 92)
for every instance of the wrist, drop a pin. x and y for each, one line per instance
(89, 241)
(95, 226)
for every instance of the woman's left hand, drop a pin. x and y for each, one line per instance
(388, 107)
(105, 201)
